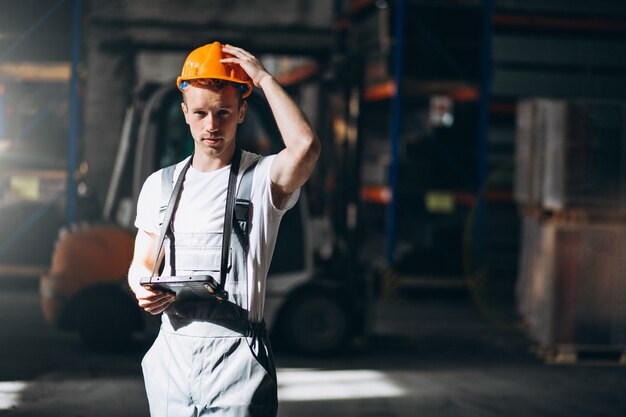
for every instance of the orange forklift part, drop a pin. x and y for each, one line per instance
(205, 63)
(96, 254)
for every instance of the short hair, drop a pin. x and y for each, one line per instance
(214, 84)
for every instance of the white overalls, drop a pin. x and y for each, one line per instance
(208, 359)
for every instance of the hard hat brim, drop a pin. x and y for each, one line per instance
(245, 93)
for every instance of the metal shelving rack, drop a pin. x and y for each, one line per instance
(392, 95)
(56, 73)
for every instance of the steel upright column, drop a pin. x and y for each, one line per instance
(485, 92)
(483, 130)
(74, 115)
(396, 129)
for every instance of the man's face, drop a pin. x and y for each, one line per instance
(213, 116)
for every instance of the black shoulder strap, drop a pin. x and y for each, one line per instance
(228, 216)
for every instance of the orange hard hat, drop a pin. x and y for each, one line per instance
(204, 62)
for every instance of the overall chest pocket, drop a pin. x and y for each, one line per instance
(199, 252)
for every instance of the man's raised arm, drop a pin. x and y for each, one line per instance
(294, 164)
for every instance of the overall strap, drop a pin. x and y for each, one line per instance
(241, 224)
(175, 193)
(167, 179)
(228, 216)
(245, 185)
(242, 206)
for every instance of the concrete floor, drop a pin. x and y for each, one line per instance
(431, 354)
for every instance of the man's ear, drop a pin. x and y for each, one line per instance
(242, 112)
(183, 107)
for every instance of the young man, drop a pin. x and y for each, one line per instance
(213, 357)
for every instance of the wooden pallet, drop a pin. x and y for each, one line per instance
(583, 355)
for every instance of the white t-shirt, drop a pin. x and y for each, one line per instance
(201, 209)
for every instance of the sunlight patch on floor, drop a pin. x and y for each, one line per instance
(321, 385)
(10, 393)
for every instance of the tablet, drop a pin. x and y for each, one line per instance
(187, 287)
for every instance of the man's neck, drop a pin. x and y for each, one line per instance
(207, 163)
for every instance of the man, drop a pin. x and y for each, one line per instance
(213, 357)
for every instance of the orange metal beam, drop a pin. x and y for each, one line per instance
(299, 74)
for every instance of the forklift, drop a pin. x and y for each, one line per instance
(312, 306)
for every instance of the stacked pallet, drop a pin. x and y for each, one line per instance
(571, 155)
(571, 188)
